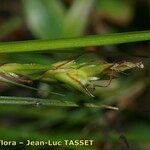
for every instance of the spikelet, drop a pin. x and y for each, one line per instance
(78, 73)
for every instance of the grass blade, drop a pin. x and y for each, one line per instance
(76, 19)
(58, 45)
(46, 23)
(46, 102)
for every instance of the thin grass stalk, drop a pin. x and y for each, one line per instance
(46, 102)
(61, 45)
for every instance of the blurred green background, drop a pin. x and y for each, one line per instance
(128, 128)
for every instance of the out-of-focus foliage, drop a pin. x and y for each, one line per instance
(77, 18)
(9, 26)
(116, 10)
(48, 22)
(54, 20)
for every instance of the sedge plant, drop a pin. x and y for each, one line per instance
(78, 73)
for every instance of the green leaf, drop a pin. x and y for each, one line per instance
(48, 19)
(77, 18)
(45, 17)
(44, 102)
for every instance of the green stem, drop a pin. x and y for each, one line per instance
(58, 45)
(45, 102)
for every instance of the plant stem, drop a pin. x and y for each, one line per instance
(46, 102)
(58, 45)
